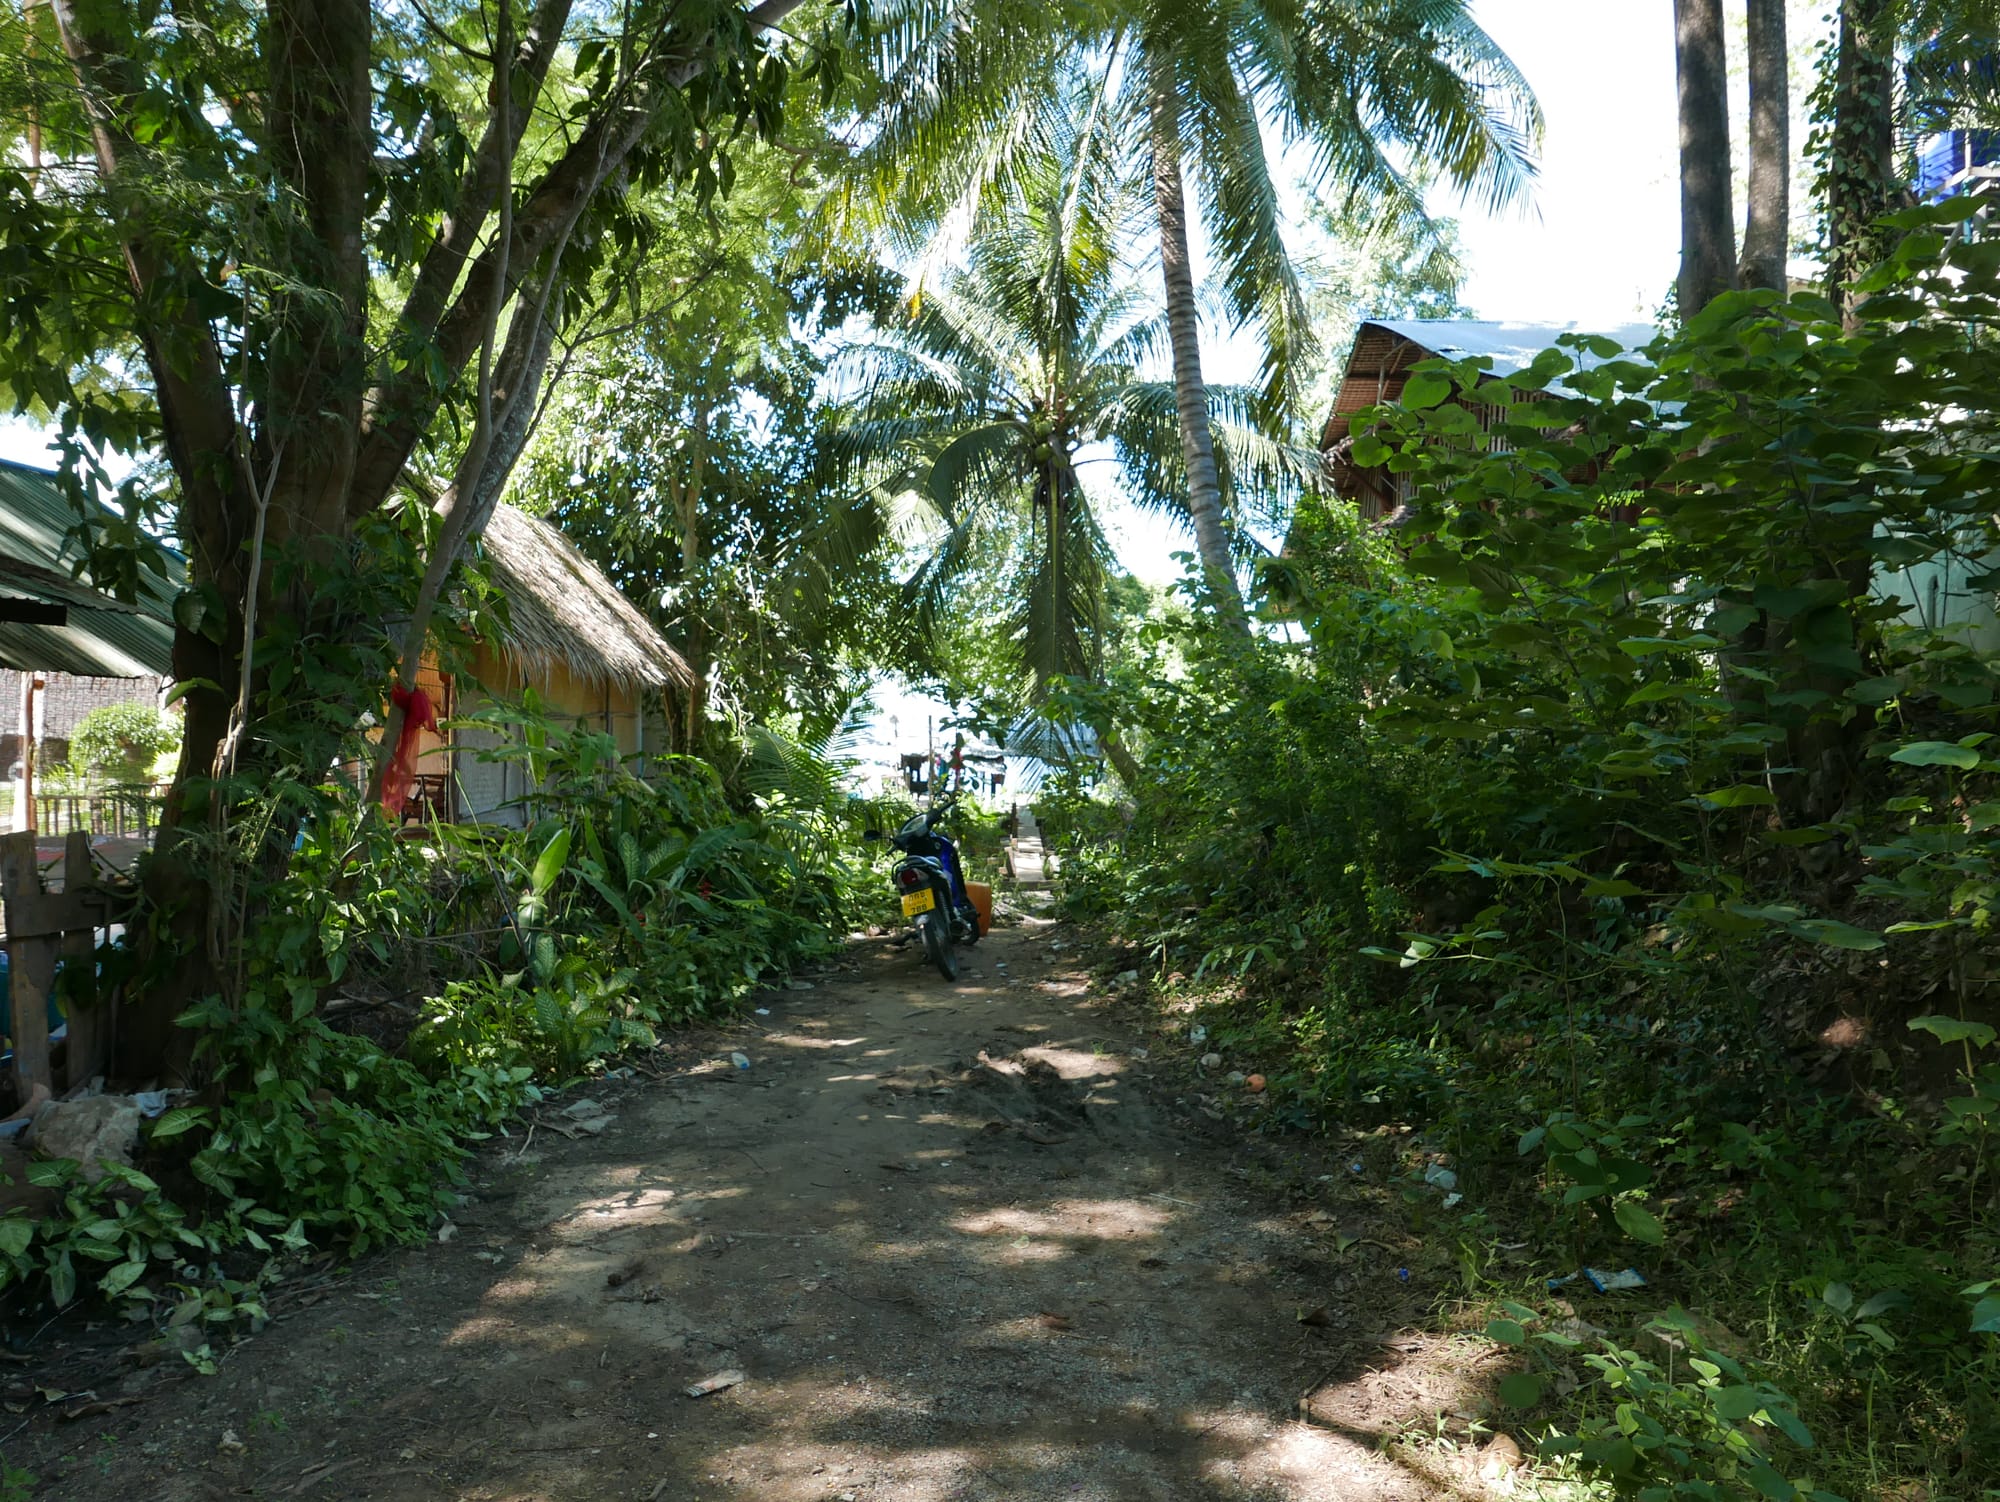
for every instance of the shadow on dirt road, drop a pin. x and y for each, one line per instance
(956, 1240)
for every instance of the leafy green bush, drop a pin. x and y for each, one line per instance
(1696, 1426)
(626, 905)
(1566, 817)
(123, 742)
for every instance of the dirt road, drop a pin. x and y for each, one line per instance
(961, 1242)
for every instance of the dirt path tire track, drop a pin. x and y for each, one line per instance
(960, 1243)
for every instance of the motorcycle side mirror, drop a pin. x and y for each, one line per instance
(872, 834)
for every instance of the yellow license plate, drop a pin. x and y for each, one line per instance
(919, 902)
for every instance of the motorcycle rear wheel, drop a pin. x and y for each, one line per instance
(938, 948)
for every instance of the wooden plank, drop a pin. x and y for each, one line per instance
(19, 876)
(53, 914)
(32, 971)
(89, 1044)
(88, 1048)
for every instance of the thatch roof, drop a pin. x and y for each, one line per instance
(561, 609)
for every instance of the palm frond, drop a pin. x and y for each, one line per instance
(1059, 620)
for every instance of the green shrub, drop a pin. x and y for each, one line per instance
(123, 742)
(1555, 825)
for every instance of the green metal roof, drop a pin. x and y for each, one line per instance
(114, 642)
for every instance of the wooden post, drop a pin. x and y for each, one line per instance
(40, 925)
(24, 788)
(31, 963)
(89, 1040)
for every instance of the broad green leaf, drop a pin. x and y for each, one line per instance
(1882, 1303)
(121, 1277)
(549, 864)
(1736, 1403)
(1615, 887)
(1745, 795)
(1654, 693)
(1520, 1389)
(1506, 1332)
(17, 1231)
(1424, 390)
(1955, 1030)
(1639, 1223)
(1770, 1483)
(176, 1121)
(1985, 1314)
(1935, 754)
(1837, 935)
(1789, 1425)
(62, 1281)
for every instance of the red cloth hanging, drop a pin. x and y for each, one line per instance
(418, 716)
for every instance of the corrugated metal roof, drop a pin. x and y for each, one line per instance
(21, 580)
(35, 519)
(1513, 346)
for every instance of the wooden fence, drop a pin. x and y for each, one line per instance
(133, 810)
(42, 928)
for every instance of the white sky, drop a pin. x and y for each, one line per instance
(1601, 243)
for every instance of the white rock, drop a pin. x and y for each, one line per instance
(96, 1131)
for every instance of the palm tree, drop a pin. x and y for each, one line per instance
(1010, 374)
(974, 91)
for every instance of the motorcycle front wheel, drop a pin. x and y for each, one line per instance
(938, 948)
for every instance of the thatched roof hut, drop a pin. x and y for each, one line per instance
(562, 610)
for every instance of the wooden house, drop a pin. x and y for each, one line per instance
(588, 653)
(1379, 364)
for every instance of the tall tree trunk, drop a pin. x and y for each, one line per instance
(1211, 536)
(1767, 234)
(294, 446)
(1708, 222)
(1860, 184)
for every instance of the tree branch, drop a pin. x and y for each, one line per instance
(594, 162)
(195, 411)
(459, 232)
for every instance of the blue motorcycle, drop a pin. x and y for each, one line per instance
(931, 884)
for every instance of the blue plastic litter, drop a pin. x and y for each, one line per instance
(7, 997)
(1602, 1281)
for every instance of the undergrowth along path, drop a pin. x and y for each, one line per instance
(960, 1242)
